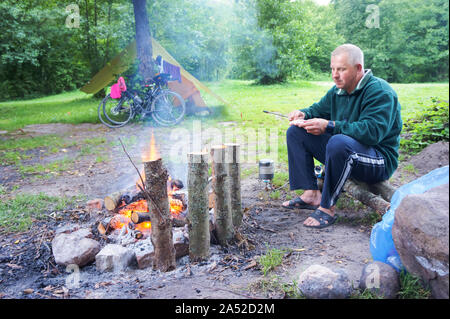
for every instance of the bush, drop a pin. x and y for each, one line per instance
(428, 127)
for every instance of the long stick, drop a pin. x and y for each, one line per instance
(274, 113)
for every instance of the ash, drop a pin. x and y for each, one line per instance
(28, 269)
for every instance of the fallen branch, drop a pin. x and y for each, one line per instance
(376, 196)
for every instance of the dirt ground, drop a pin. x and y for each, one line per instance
(28, 270)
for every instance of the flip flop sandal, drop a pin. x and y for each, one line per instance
(323, 218)
(299, 203)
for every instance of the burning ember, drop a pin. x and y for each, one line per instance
(136, 216)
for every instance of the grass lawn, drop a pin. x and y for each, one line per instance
(246, 104)
(70, 107)
(247, 101)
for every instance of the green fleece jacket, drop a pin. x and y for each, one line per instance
(370, 114)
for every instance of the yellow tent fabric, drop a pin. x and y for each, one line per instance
(122, 62)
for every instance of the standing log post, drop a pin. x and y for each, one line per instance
(198, 216)
(156, 186)
(234, 173)
(221, 190)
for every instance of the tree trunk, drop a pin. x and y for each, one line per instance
(156, 186)
(221, 189)
(199, 236)
(234, 173)
(143, 40)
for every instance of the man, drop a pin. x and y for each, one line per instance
(353, 130)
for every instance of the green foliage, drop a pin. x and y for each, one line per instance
(51, 168)
(27, 143)
(412, 288)
(18, 213)
(33, 58)
(366, 294)
(274, 40)
(275, 195)
(280, 178)
(274, 285)
(429, 126)
(264, 40)
(410, 43)
(272, 259)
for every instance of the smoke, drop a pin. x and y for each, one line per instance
(214, 39)
(253, 51)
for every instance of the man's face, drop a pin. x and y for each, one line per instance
(345, 75)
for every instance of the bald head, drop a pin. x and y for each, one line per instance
(354, 54)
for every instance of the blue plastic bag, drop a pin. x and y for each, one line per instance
(381, 242)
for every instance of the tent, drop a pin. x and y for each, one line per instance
(188, 88)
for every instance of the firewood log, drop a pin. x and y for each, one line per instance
(221, 189)
(138, 218)
(112, 200)
(158, 203)
(198, 217)
(104, 227)
(234, 173)
(128, 195)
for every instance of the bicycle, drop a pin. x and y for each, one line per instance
(166, 107)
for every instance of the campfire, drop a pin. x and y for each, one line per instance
(150, 219)
(132, 215)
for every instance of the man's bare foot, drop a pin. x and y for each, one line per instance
(310, 221)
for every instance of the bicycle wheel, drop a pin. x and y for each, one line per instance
(168, 108)
(101, 116)
(118, 113)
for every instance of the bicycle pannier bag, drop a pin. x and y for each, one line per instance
(118, 88)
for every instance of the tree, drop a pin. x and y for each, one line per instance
(409, 45)
(292, 37)
(143, 40)
(276, 40)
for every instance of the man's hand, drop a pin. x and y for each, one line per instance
(296, 115)
(314, 126)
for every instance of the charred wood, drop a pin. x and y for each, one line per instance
(137, 217)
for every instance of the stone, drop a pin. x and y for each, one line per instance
(381, 279)
(94, 205)
(67, 229)
(421, 237)
(319, 282)
(114, 258)
(75, 248)
(145, 252)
